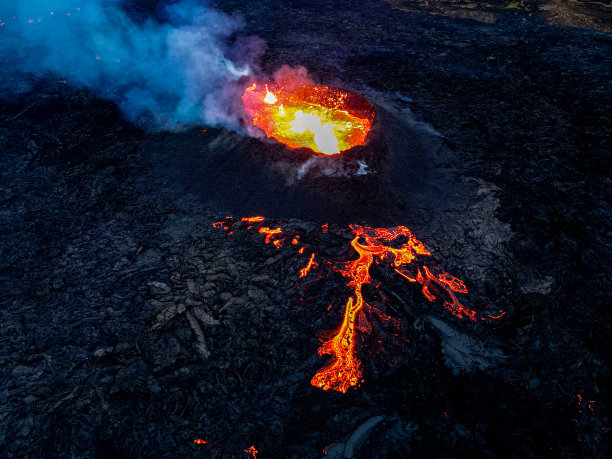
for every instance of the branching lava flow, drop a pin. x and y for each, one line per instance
(396, 246)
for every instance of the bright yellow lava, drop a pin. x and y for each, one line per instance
(316, 117)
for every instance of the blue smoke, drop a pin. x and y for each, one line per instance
(174, 72)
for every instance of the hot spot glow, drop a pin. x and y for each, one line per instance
(270, 98)
(327, 120)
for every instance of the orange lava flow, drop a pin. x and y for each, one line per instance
(270, 233)
(311, 264)
(325, 119)
(344, 370)
(450, 284)
(396, 246)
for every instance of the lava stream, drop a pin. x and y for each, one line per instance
(400, 248)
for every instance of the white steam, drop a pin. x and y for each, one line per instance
(175, 73)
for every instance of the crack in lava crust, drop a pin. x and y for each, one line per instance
(399, 248)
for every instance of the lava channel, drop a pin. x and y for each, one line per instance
(402, 251)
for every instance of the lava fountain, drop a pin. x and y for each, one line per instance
(326, 119)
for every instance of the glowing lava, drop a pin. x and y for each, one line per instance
(311, 264)
(325, 119)
(344, 370)
(403, 252)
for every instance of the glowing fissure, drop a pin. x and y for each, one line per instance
(397, 246)
(327, 120)
(311, 264)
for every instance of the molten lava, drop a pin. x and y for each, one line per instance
(311, 264)
(399, 248)
(325, 119)
(344, 370)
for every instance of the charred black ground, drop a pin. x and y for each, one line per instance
(491, 144)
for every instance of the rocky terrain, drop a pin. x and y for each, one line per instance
(130, 326)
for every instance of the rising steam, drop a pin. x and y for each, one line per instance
(173, 73)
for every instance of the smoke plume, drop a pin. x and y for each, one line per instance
(176, 70)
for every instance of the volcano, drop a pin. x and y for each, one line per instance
(377, 230)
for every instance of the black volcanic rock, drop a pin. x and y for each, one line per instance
(130, 326)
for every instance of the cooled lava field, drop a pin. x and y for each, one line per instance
(441, 289)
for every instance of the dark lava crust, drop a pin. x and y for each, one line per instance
(130, 326)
